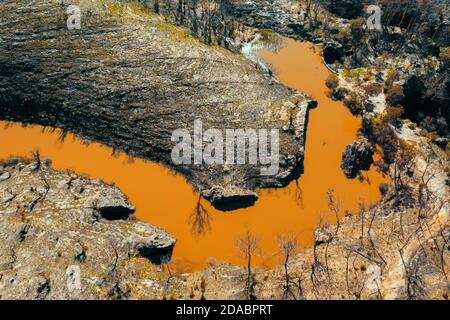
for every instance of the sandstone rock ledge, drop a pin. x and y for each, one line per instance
(53, 228)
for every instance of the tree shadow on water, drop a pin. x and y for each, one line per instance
(200, 219)
(298, 194)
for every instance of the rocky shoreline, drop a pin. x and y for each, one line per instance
(55, 222)
(118, 80)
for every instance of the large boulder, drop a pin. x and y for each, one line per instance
(151, 242)
(357, 156)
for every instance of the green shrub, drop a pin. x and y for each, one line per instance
(354, 103)
(392, 76)
(340, 93)
(332, 81)
(385, 137)
(373, 89)
(392, 115)
(394, 95)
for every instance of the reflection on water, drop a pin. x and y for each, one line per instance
(203, 232)
(200, 218)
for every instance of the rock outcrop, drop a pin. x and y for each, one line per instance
(128, 79)
(218, 195)
(112, 205)
(52, 234)
(356, 157)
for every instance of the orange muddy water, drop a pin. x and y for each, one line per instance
(167, 200)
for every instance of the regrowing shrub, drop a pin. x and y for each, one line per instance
(332, 81)
(373, 89)
(394, 95)
(354, 103)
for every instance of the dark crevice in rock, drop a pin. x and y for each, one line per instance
(155, 255)
(24, 231)
(357, 156)
(81, 257)
(117, 293)
(115, 213)
(43, 290)
(234, 204)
